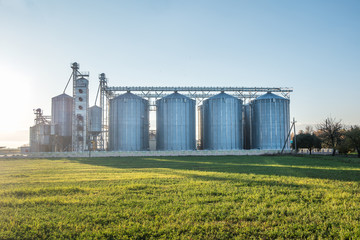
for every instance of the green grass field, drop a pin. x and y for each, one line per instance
(241, 197)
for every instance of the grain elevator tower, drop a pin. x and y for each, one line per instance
(80, 109)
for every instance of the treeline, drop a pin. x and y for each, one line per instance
(329, 134)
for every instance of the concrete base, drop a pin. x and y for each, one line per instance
(154, 153)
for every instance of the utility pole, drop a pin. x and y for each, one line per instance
(287, 138)
(295, 135)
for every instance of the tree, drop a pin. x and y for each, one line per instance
(344, 145)
(330, 133)
(307, 140)
(353, 136)
(309, 129)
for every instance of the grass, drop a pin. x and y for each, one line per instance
(223, 197)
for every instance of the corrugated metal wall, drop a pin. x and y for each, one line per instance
(61, 114)
(271, 122)
(175, 123)
(95, 119)
(40, 138)
(222, 123)
(128, 123)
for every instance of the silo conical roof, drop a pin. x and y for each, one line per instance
(269, 95)
(63, 95)
(176, 95)
(222, 95)
(128, 95)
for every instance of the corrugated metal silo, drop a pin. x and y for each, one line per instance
(61, 114)
(222, 122)
(44, 134)
(128, 123)
(33, 140)
(61, 119)
(40, 138)
(175, 123)
(95, 119)
(271, 121)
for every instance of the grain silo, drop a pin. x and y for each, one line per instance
(61, 118)
(271, 122)
(40, 138)
(222, 122)
(95, 122)
(175, 123)
(128, 123)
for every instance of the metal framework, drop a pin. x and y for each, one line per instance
(198, 93)
(243, 93)
(104, 106)
(40, 118)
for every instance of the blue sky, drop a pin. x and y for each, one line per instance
(312, 46)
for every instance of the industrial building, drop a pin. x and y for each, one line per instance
(187, 118)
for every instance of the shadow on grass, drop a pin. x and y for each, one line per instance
(323, 167)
